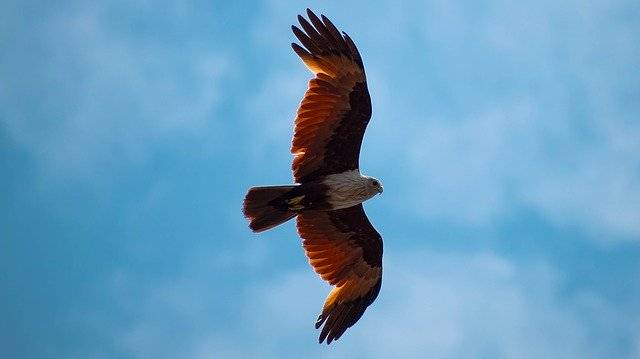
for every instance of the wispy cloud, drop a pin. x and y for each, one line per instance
(434, 304)
(468, 166)
(519, 106)
(271, 112)
(98, 97)
(482, 112)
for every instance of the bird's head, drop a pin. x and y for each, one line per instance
(374, 185)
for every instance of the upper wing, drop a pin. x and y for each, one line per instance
(336, 108)
(345, 249)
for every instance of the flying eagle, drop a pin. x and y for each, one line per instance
(340, 242)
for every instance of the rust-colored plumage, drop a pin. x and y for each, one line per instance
(340, 242)
(336, 108)
(346, 251)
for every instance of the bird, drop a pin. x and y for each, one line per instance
(340, 242)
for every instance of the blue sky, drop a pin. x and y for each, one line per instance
(506, 135)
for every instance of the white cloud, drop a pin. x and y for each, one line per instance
(102, 94)
(536, 117)
(440, 305)
(272, 109)
(512, 106)
(479, 305)
(466, 167)
(473, 171)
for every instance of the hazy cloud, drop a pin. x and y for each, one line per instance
(520, 106)
(441, 305)
(98, 97)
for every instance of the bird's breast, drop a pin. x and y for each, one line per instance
(345, 189)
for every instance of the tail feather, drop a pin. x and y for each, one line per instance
(265, 207)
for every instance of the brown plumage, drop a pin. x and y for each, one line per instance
(346, 251)
(336, 108)
(340, 242)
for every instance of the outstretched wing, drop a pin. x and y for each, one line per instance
(346, 251)
(336, 108)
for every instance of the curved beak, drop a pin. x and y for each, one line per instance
(380, 190)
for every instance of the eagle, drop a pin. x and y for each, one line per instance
(341, 244)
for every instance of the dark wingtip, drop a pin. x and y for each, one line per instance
(302, 53)
(319, 321)
(322, 337)
(312, 16)
(328, 22)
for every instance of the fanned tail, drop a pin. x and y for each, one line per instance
(267, 207)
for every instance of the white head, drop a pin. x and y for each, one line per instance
(374, 186)
(349, 188)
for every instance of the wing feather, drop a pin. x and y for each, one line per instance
(346, 251)
(328, 140)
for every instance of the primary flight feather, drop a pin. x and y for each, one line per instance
(340, 242)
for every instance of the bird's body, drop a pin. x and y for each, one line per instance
(342, 245)
(349, 188)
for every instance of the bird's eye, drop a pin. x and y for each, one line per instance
(375, 183)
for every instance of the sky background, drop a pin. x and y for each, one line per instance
(507, 135)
